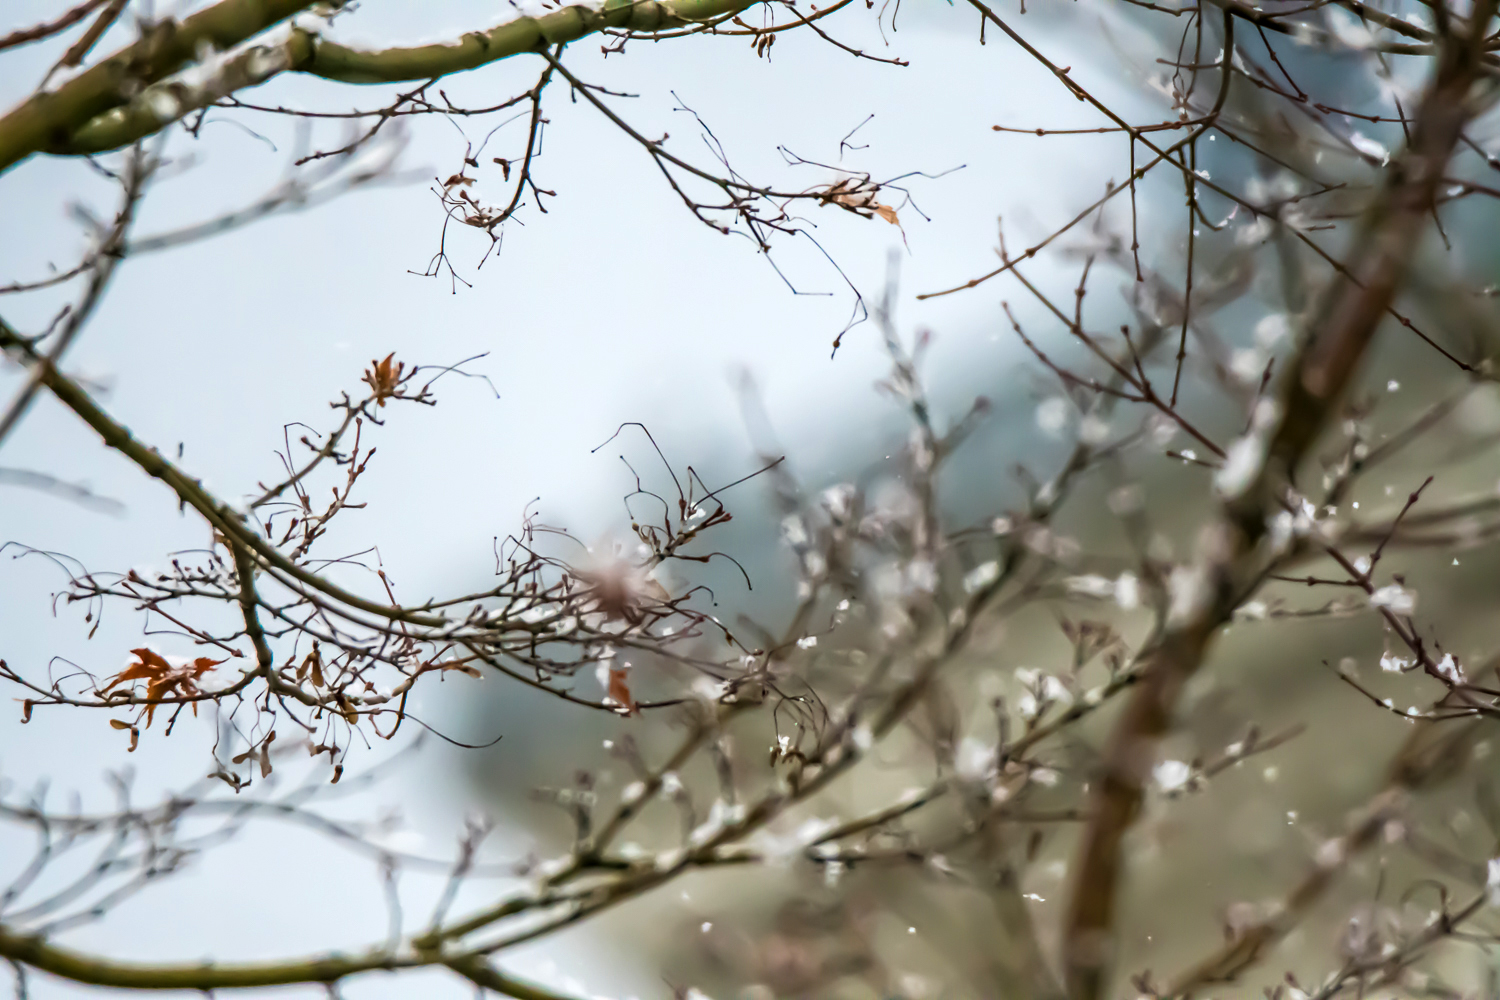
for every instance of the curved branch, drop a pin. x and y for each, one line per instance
(218, 514)
(89, 113)
(165, 47)
(66, 963)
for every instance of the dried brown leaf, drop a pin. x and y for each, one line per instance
(619, 690)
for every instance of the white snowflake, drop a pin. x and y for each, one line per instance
(1394, 598)
(1171, 775)
(1052, 415)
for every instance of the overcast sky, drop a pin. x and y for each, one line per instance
(616, 305)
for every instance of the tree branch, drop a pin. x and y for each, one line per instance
(90, 113)
(1230, 554)
(46, 118)
(80, 968)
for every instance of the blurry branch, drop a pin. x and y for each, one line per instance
(102, 265)
(314, 186)
(1280, 23)
(60, 831)
(79, 50)
(76, 492)
(1260, 484)
(164, 48)
(49, 28)
(372, 164)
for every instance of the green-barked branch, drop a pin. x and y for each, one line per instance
(37, 953)
(153, 82)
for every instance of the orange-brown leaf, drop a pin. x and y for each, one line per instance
(136, 671)
(149, 664)
(384, 377)
(153, 658)
(619, 690)
(162, 679)
(312, 664)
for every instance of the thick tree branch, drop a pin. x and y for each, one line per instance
(66, 963)
(95, 110)
(486, 976)
(37, 953)
(45, 120)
